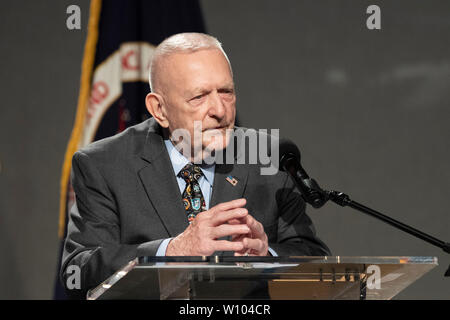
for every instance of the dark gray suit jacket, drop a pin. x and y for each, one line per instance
(128, 201)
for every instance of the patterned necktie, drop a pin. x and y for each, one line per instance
(193, 200)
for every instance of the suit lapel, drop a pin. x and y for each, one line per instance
(223, 190)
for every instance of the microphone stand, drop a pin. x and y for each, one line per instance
(317, 197)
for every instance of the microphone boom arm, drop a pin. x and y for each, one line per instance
(317, 197)
(344, 200)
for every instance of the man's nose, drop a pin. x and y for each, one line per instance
(216, 107)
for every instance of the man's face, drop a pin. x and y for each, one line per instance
(198, 87)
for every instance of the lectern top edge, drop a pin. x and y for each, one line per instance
(294, 277)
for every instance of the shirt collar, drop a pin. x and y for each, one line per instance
(179, 161)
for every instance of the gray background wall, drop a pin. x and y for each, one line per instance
(369, 109)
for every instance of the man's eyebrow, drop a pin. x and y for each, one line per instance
(196, 91)
(229, 87)
(201, 90)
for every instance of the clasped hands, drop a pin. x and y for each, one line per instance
(225, 219)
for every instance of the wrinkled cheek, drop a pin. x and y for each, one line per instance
(232, 112)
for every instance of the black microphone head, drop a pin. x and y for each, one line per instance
(288, 150)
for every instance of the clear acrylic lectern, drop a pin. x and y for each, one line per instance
(287, 278)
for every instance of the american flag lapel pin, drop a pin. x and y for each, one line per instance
(232, 180)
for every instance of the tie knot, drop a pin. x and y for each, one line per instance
(190, 172)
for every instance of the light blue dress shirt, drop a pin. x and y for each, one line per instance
(206, 183)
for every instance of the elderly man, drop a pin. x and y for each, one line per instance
(145, 192)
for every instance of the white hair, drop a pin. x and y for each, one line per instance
(182, 43)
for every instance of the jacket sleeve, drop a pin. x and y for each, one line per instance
(93, 232)
(296, 235)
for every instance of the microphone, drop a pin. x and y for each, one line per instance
(290, 163)
(315, 196)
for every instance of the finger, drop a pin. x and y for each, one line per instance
(254, 244)
(229, 230)
(224, 245)
(240, 237)
(236, 221)
(243, 252)
(222, 217)
(255, 226)
(214, 212)
(238, 203)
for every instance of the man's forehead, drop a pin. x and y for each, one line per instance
(196, 59)
(198, 70)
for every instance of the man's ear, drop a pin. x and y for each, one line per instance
(155, 105)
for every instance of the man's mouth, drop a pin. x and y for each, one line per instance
(217, 128)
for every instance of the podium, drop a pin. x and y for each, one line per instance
(274, 278)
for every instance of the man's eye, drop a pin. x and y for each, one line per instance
(198, 97)
(226, 94)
